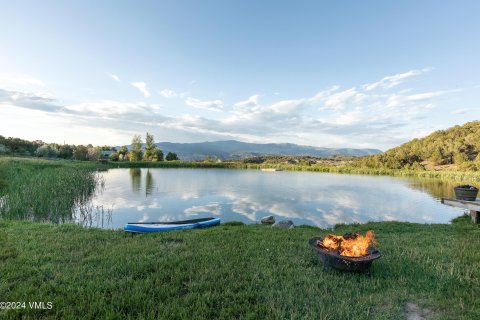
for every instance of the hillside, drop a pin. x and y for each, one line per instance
(456, 147)
(235, 150)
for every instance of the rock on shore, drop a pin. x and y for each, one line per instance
(268, 220)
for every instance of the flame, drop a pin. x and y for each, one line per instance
(350, 245)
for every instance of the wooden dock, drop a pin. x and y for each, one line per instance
(473, 206)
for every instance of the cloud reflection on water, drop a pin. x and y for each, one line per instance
(246, 195)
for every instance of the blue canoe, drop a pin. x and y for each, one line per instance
(143, 227)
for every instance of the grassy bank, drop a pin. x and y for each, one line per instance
(451, 175)
(237, 272)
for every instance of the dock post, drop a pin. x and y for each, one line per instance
(475, 216)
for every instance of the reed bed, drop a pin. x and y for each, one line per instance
(46, 190)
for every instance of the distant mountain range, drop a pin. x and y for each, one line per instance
(234, 150)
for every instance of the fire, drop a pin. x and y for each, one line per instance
(350, 244)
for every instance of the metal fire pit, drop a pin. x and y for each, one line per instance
(334, 260)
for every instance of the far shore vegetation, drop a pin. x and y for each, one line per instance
(451, 153)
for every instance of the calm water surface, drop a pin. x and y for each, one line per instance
(312, 198)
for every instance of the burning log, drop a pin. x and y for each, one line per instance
(350, 252)
(350, 244)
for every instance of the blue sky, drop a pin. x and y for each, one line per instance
(323, 73)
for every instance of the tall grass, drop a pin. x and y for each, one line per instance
(45, 190)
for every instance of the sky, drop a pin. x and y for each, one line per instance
(362, 74)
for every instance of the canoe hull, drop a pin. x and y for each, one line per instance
(170, 226)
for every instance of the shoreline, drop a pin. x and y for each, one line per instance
(450, 175)
(467, 176)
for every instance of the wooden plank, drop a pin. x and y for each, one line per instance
(475, 216)
(473, 206)
(469, 205)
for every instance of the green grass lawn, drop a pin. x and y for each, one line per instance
(236, 271)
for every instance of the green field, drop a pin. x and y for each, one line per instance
(236, 271)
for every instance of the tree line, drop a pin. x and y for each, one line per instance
(459, 146)
(150, 153)
(19, 147)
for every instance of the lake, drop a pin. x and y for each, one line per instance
(312, 198)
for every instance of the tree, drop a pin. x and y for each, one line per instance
(158, 155)
(135, 153)
(460, 158)
(171, 156)
(150, 147)
(209, 158)
(477, 158)
(80, 153)
(65, 151)
(3, 149)
(114, 156)
(47, 151)
(122, 153)
(19, 146)
(152, 152)
(94, 153)
(458, 145)
(417, 166)
(437, 156)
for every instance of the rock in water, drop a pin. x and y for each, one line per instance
(268, 220)
(285, 224)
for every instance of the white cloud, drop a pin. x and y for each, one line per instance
(461, 111)
(167, 93)
(115, 77)
(29, 100)
(332, 117)
(320, 96)
(425, 95)
(37, 124)
(397, 100)
(286, 107)
(247, 105)
(142, 87)
(113, 109)
(339, 100)
(393, 81)
(213, 105)
(13, 81)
